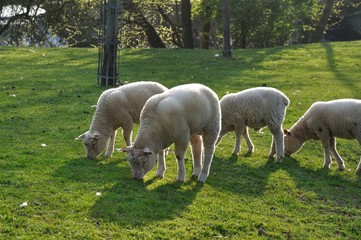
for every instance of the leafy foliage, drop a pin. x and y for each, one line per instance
(255, 23)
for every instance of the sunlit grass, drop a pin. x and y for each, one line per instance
(46, 97)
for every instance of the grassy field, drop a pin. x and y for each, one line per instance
(45, 102)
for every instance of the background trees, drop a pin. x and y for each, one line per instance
(177, 23)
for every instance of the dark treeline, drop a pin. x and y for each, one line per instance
(180, 23)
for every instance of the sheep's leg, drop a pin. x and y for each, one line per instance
(325, 140)
(237, 146)
(341, 164)
(110, 148)
(196, 143)
(208, 156)
(277, 145)
(250, 145)
(209, 140)
(358, 169)
(127, 133)
(180, 148)
(219, 138)
(161, 163)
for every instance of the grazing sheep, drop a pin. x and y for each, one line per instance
(325, 121)
(256, 108)
(186, 113)
(117, 107)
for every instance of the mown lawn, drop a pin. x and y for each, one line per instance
(45, 102)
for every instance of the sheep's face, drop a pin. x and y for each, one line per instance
(94, 143)
(141, 160)
(292, 143)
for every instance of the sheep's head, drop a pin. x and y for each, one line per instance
(94, 143)
(141, 160)
(292, 143)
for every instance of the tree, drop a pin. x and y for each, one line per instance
(108, 74)
(154, 40)
(186, 9)
(227, 52)
(205, 19)
(319, 32)
(20, 13)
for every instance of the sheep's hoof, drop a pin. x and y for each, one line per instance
(341, 168)
(181, 179)
(160, 174)
(202, 178)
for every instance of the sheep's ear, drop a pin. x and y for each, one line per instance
(147, 150)
(95, 135)
(126, 149)
(81, 137)
(286, 132)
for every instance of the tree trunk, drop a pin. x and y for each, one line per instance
(152, 35)
(318, 34)
(205, 25)
(109, 69)
(187, 24)
(227, 51)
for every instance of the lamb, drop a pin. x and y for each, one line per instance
(256, 108)
(186, 113)
(325, 121)
(117, 107)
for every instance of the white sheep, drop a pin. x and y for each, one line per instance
(325, 121)
(255, 108)
(117, 108)
(186, 113)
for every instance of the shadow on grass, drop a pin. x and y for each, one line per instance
(139, 203)
(332, 63)
(125, 201)
(244, 179)
(130, 203)
(331, 184)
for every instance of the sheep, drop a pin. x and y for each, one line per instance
(256, 108)
(325, 121)
(186, 113)
(117, 107)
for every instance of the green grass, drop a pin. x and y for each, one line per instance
(46, 97)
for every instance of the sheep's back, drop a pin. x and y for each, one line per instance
(129, 98)
(342, 117)
(193, 105)
(256, 105)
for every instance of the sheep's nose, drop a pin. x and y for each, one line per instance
(137, 177)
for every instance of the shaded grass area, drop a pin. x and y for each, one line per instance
(45, 102)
